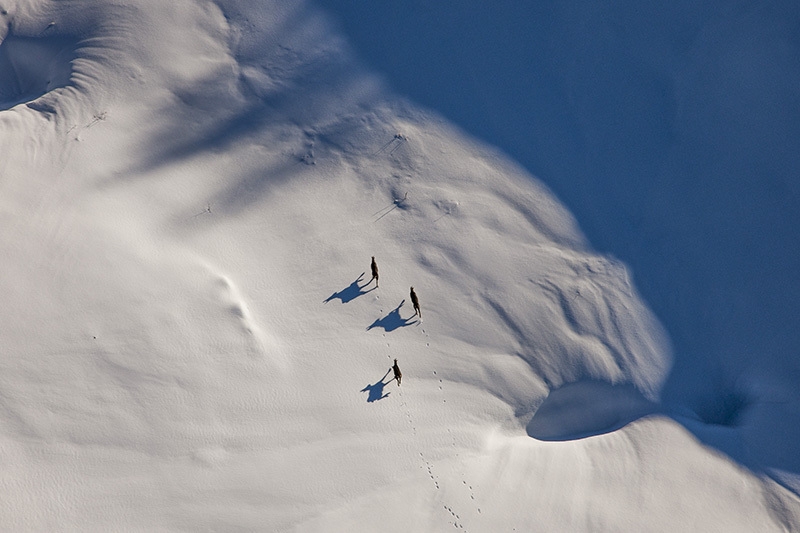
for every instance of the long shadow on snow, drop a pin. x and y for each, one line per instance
(351, 292)
(376, 390)
(393, 320)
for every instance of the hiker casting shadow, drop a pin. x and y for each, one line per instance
(351, 292)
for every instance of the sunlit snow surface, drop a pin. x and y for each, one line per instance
(190, 194)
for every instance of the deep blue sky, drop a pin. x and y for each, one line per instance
(671, 130)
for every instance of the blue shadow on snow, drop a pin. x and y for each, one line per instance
(376, 390)
(351, 292)
(393, 320)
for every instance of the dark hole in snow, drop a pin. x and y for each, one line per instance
(725, 409)
(32, 67)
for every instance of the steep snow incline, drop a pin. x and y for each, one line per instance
(671, 130)
(189, 340)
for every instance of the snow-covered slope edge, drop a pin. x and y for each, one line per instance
(188, 343)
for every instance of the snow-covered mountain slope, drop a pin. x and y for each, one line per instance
(190, 340)
(670, 130)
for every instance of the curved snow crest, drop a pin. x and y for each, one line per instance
(75, 63)
(60, 57)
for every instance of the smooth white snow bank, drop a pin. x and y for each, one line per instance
(189, 341)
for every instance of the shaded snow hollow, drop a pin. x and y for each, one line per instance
(189, 341)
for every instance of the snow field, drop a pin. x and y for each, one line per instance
(186, 344)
